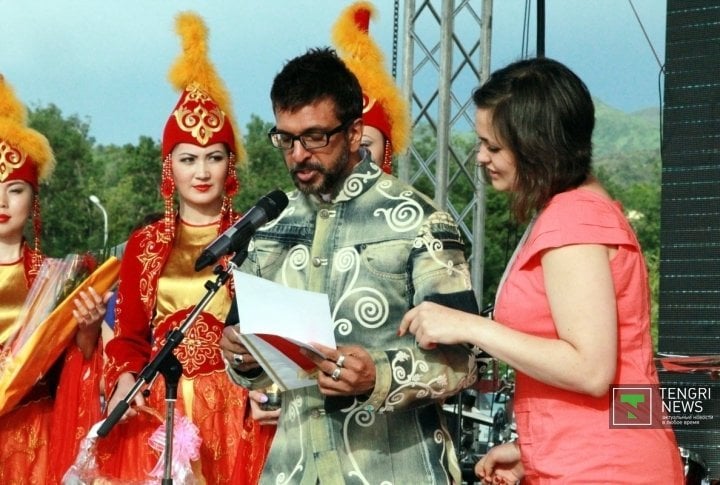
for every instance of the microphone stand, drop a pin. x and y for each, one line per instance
(170, 367)
(171, 370)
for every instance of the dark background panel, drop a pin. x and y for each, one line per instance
(689, 302)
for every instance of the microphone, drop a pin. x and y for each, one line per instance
(238, 235)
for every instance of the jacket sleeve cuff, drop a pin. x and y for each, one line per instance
(383, 382)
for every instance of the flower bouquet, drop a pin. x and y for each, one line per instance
(185, 450)
(45, 327)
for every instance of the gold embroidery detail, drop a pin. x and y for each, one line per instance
(151, 260)
(10, 160)
(368, 103)
(193, 116)
(199, 352)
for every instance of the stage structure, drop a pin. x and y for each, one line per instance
(690, 214)
(446, 54)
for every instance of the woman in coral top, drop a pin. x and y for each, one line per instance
(159, 287)
(39, 436)
(572, 314)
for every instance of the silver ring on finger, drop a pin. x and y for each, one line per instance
(340, 360)
(238, 359)
(336, 374)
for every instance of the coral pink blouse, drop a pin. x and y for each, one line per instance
(565, 436)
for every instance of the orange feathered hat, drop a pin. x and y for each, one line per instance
(384, 107)
(203, 115)
(25, 154)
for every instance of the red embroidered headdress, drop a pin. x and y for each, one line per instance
(25, 154)
(383, 104)
(202, 116)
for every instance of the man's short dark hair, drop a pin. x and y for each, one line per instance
(316, 75)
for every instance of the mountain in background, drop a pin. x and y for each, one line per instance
(626, 146)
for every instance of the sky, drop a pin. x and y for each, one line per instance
(106, 61)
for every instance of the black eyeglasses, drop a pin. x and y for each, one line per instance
(309, 140)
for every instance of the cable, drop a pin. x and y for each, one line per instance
(660, 64)
(661, 72)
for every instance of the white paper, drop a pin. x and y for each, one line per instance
(300, 316)
(268, 307)
(285, 373)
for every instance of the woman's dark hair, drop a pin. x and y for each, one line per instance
(314, 76)
(543, 113)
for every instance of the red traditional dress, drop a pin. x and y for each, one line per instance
(158, 289)
(565, 437)
(39, 438)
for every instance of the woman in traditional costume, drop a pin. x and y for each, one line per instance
(40, 435)
(159, 288)
(386, 116)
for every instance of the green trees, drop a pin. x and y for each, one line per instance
(128, 185)
(125, 179)
(65, 208)
(265, 168)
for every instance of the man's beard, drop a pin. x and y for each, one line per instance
(330, 177)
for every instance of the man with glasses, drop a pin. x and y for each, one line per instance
(305, 170)
(377, 247)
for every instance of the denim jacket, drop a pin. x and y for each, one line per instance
(377, 249)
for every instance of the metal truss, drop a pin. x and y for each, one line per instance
(446, 54)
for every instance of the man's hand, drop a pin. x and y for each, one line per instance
(234, 352)
(348, 370)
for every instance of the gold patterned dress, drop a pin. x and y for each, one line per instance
(24, 431)
(40, 437)
(158, 290)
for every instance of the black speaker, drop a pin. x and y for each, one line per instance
(689, 303)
